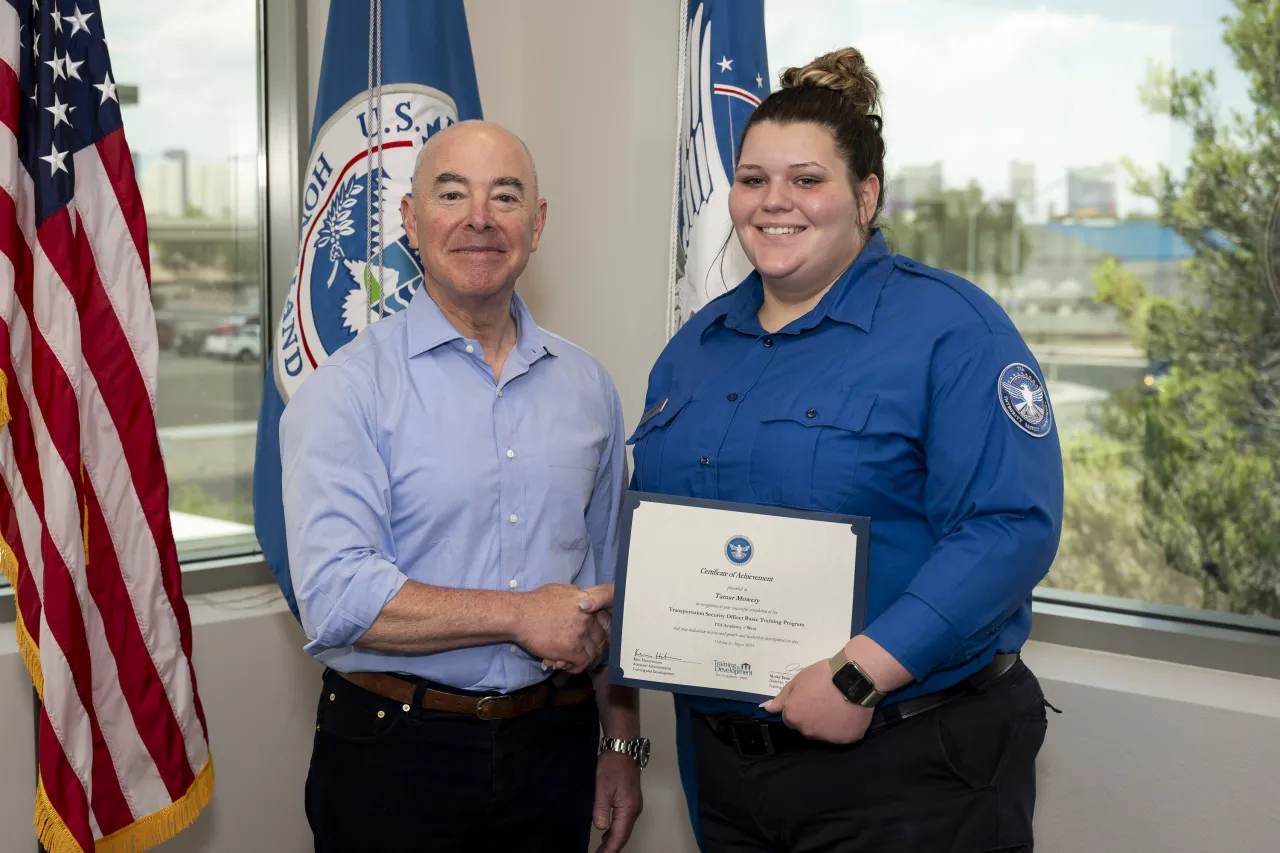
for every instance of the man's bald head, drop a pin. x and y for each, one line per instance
(474, 216)
(462, 133)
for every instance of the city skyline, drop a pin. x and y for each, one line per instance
(978, 85)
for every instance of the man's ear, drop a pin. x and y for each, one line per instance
(410, 220)
(539, 222)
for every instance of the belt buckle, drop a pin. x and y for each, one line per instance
(765, 739)
(483, 704)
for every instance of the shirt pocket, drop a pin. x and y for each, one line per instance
(649, 442)
(571, 481)
(806, 449)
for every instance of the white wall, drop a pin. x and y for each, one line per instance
(1148, 757)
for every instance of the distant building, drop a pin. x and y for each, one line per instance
(1053, 298)
(1022, 186)
(910, 185)
(1152, 251)
(1091, 191)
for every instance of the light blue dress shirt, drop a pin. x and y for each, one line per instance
(403, 459)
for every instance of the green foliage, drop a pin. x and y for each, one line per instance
(1186, 471)
(961, 231)
(192, 499)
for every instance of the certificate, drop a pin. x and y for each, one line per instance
(731, 600)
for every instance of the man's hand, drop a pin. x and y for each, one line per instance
(557, 624)
(599, 602)
(812, 705)
(618, 799)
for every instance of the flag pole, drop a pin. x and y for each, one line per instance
(37, 707)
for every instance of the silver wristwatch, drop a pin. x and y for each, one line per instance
(637, 748)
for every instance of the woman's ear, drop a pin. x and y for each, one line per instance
(868, 194)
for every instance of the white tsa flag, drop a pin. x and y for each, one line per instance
(355, 264)
(723, 68)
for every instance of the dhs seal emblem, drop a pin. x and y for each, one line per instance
(1022, 396)
(739, 550)
(339, 285)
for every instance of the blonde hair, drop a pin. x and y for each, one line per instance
(844, 71)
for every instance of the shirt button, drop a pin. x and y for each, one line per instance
(470, 348)
(511, 454)
(512, 518)
(768, 342)
(704, 460)
(732, 397)
(812, 413)
(511, 649)
(514, 583)
(499, 392)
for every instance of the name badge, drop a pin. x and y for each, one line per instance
(654, 412)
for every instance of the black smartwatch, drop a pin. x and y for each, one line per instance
(854, 684)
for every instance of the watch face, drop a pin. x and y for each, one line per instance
(642, 753)
(855, 687)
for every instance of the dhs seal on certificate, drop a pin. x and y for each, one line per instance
(732, 600)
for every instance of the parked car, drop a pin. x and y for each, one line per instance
(241, 343)
(166, 333)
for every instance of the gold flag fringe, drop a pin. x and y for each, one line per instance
(26, 644)
(5, 417)
(143, 834)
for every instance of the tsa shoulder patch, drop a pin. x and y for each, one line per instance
(1023, 398)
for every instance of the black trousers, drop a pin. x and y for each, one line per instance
(383, 778)
(957, 779)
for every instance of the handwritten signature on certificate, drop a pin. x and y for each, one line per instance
(657, 657)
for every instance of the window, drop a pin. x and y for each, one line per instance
(1070, 159)
(192, 121)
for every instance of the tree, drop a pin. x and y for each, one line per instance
(959, 230)
(1202, 440)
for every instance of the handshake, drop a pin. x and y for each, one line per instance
(566, 626)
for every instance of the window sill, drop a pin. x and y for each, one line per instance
(215, 572)
(1220, 641)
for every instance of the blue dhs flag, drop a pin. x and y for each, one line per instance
(354, 261)
(724, 70)
(724, 77)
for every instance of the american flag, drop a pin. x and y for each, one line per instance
(124, 761)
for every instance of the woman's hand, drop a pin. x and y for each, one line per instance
(811, 704)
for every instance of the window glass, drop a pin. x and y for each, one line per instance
(192, 121)
(1105, 169)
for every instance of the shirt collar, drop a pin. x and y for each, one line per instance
(852, 298)
(429, 327)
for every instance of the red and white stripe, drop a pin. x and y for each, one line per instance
(84, 497)
(737, 92)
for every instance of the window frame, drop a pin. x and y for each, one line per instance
(1184, 635)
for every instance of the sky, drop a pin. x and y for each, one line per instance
(195, 63)
(975, 84)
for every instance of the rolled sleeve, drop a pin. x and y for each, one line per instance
(993, 496)
(337, 511)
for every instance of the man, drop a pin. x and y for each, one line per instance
(452, 480)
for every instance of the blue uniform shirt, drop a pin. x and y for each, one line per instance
(906, 395)
(403, 458)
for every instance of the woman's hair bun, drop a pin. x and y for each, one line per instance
(844, 70)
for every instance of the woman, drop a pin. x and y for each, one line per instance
(839, 377)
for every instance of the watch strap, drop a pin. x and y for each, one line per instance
(636, 748)
(853, 682)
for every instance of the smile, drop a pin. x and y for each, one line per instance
(780, 231)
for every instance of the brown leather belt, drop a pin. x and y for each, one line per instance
(547, 694)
